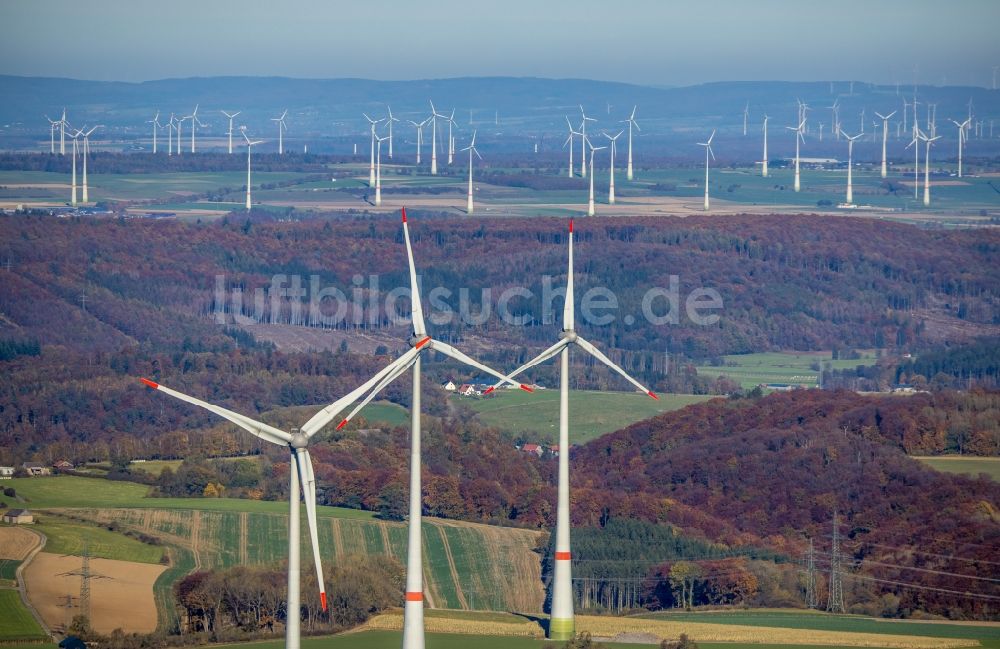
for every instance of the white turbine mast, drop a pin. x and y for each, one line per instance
(171, 126)
(282, 127)
(850, 164)
(569, 141)
(584, 141)
(73, 194)
(156, 125)
(631, 122)
(434, 155)
(86, 154)
(927, 168)
(962, 126)
(471, 149)
(746, 116)
(915, 143)
(378, 170)
(52, 134)
(371, 164)
(63, 125)
(420, 343)
(250, 145)
(799, 139)
(561, 621)
(708, 151)
(451, 138)
(390, 120)
(614, 148)
(195, 122)
(885, 138)
(593, 149)
(230, 131)
(420, 134)
(763, 167)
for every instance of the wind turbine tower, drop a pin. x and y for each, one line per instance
(230, 131)
(156, 125)
(73, 195)
(631, 123)
(763, 166)
(961, 142)
(195, 123)
(371, 165)
(569, 141)
(561, 621)
(282, 127)
(378, 171)
(850, 164)
(885, 139)
(86, 153)
(583, 142)
(391, 119)
(746, 116)
(614, 148)
(590, 203)
(708, 150)
(471, 149)
(434, 155)
(250, 145)
(798, 141)
(927, 168)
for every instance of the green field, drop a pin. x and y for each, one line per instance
(964, 464)
(592, 413)
(803, 619)
(8, 569)
(16, 623)
(67, 537)
(750, 370)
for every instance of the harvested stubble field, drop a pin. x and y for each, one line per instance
(16, 542)
(126, 587)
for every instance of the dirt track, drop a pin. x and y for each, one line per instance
(125, 600)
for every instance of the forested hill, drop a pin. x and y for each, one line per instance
(786, 282)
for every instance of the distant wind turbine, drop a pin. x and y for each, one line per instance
(434, 155)
(569, 140)
(614, 148)
(584, 141)
(250, 145)
(52, 134)
(763, 168)
(593, 149)
(171, 125)
(86, 154)
(961, 141)
(390, 120)
(915, 143)
(195, 122)
(371, 165)
(156, 125)
(708, 151)
(746, 116)
(282, 127)
(850, 164)
(420, 134)
(378, 171)
(471, 149)
(451, 138)
(927, 168)
(798, 140)
(230, 131)
(885, 139)
(73, 195)
(631, 122)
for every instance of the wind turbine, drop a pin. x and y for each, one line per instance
(62, 133)
(195, 122)
(86, 152)
(631, 122)
(371, 165)
(156, 124)
(798, 140)
(250, 145)
(451, 139)
(763, 168)
(170, 135)
(746, 115)
(561, 623)
(850, 164)
(927, 168)
(583, 139)
(390, 119)
(378, 171)
(569, 140)
(885, 138)
(301, 478)
(420, 134)
(915, 143)
(180, 120)
(961, 142)
(471, 149)
(230, 131)
(434, 124)
(282, 127)
(74, 137)
(835, 118)
(593, 149)
(708, 150)
(614, 148)
(420, 342)
(52, 134)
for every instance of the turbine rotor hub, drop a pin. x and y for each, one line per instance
(299, 440)
(568, 334)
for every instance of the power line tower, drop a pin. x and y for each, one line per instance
(85, 574)
(812, 599)
(835, 603)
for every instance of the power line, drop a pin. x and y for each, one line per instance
(870, 562)
(812, 599)
(934, 554)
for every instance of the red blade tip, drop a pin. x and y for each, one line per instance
(423, 342)
(341, 424)
(490, 389)
(150, 383)
(653, 394)
(526, 388)
(571, 226)
(404, 215)
(322, 598)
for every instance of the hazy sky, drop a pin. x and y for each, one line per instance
(648, 41)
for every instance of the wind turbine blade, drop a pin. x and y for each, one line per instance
(327, 414)
(448, 350)
(541, 358)
(417, 310)
(256, 428)
(307, 478)
(569, 317)
(402, 364)
(599, 355)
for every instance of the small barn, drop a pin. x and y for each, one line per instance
(18, 517)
